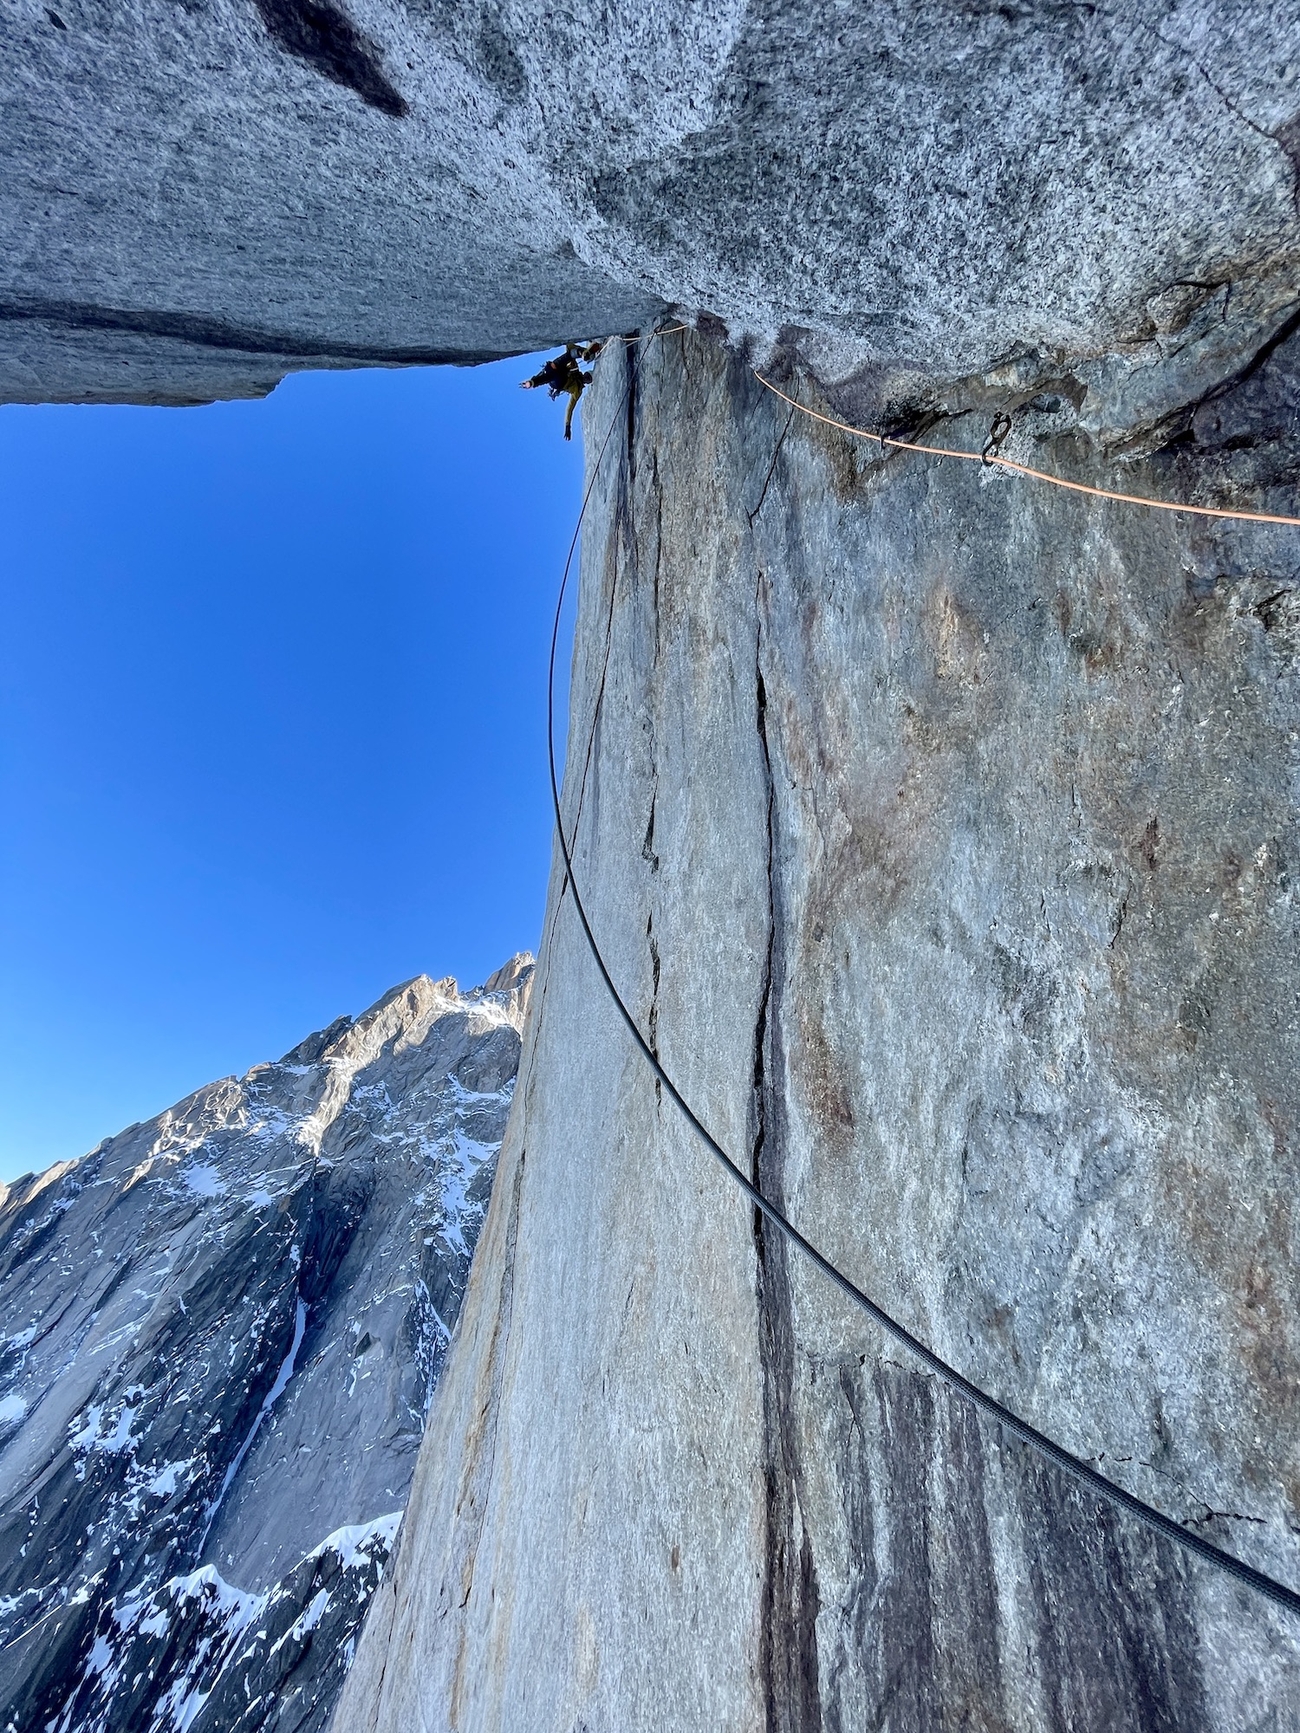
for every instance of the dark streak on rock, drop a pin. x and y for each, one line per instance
(1150, 845)
(906, 1612)
(858, 1630)
(501, 65)
(331, 44)
(1116, 1634)
(790, 1598)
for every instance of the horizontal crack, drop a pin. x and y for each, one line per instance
(208, 333)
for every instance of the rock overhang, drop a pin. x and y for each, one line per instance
(202, 199)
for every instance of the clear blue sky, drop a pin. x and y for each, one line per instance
(272, 705)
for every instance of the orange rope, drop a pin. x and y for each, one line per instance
(1254, 517)
(646, 336)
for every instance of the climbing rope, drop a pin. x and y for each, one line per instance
(666, 331)
(1046, 1447)
(991, 457)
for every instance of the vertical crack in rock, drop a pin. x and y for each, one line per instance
(481, 1457)
(652, 1021)
(771, 468)
(761, 1028)
(630, 467)
(1193, 414)
(648, 852)
(657, 488)
(623, 537)
(790, 1600)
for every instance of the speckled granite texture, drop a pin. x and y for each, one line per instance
(197, 197)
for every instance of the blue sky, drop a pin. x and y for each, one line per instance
(272, 711)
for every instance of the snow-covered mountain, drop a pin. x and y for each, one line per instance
(221, 1331)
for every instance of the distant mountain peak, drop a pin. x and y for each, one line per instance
(219, 1335)
(512, 975)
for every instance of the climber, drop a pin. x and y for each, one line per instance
(563, 373)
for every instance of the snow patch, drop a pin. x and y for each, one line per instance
(100, 1657)
(219, 1596)
(89, 1433)
(91, 1438)
(186, 1712)
(12, 1409)
(311, 1615)
(120, 1437)
(204, 1181)
(164, 1483)
(464, 1159)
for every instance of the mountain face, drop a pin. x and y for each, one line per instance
(221, 1333)
(940, 829)
(939, 825)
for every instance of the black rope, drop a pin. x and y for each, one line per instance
(1055, 1453)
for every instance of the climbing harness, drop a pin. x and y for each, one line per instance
(563, 374)
(1039, 1442)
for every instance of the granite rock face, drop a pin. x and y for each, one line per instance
(221, 1334)
(196, 198)
(940, 829)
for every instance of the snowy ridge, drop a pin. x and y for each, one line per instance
(220, 1333)
(222, 1646)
